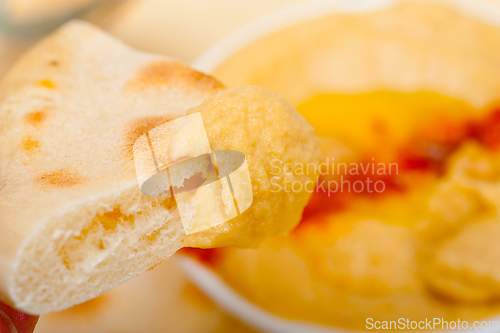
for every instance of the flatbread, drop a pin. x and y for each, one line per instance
(74, 221)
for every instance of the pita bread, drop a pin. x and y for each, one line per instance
(73, 220)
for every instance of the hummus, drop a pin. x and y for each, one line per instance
(269, 131)
(407, 108)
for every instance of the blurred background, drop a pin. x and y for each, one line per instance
(180, 29)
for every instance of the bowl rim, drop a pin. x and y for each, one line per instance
(274, 21)
(215, 55)
(205, 278)
(238, 306)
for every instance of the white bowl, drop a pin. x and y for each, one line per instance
(208, 281)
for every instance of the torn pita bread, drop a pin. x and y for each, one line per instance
(73, 220)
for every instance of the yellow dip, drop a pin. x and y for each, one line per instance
(397, 94)
(382, 255)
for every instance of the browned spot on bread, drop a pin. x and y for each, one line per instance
(138, 127)
(110, 220)
(47, 84)
(166, 73)
(152, 237)
(54, 63)
(62, 178)
(29, 144)
(154, 265)
(169, 203)
(36, 117)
